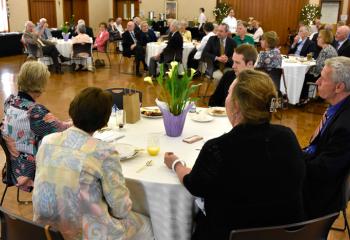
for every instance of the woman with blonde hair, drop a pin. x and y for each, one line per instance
(255, 170)
(186, 35)
(271, 57)
(26, 122)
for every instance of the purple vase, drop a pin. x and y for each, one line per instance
(65, 36)
(174, 124)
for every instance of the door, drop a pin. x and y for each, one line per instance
(126, 9)
(80, 9)
(43, 9)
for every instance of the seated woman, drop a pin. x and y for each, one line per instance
(186, 35)
(79, 187)
(251, 176)
(146, 35)
(324, 40)
(271, 57)
(101, 38)
(82, 38)
(26, 122)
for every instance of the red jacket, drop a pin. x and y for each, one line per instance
(101, 40)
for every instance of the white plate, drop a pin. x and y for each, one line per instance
(126, 151)
(201, 118)
(150, 109)
(217, 111)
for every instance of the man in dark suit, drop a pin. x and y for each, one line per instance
(328, 155)
(218, 52)
(88, 29)
(243, 58)
(342, 42)
(137, 22)
(131, 46)
(302, 45)
(173, 50)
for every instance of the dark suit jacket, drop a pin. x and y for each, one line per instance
(212, 50)
(309, 46)
(344, 50)
(327, 167)
(219, 96)
(249, 177)
(127, 41)
(147, 37)
(173, 50)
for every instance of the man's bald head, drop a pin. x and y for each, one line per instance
(342, 33)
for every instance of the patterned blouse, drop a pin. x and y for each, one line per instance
(327, 52)
(25, 123)
(269, 59)
(79, 188)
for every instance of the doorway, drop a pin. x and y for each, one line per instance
(80, 9)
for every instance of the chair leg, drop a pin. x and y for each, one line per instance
(109, 60)
(3, 195)
(346, 224)
(19, 201)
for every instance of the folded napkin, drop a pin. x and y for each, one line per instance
(108, 136)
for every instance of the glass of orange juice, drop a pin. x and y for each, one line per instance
(153, 145)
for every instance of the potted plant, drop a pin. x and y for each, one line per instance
(65, 31)
(175, 97)
(221, 11)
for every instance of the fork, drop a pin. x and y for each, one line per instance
(148, 164)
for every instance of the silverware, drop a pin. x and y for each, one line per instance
(148, 164)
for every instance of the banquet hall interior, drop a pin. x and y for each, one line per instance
(117, 70)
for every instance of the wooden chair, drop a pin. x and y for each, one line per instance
(6, 171)
(315, 229)
(345, 199)
(14, 227)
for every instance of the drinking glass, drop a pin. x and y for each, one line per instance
(309, 56)
(153, 145)
(120, 119)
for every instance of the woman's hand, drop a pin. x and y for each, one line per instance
(169, 158)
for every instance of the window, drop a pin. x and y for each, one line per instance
(4, 27)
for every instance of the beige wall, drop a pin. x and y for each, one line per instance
(99, 11)
(186, 9)
(18, 14)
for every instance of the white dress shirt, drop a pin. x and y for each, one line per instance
(231, 22)
(201, 19)
(258, 33)
(201, 46)
(119, 28)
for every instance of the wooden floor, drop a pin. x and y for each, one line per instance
(61, 90)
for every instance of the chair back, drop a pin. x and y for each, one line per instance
(6, 171)
(309, 230)
(346, 190)
(17, 228)
(81, 49)
(118, 93)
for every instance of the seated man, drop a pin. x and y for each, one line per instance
(243, 58)
(38, 47)
(132, 47)
(327, 157)
(342, 43)
(242, 37)
(118, 25)
(88, 29)
(42, 29)
(302, 45)
(218, 52)
(173, 50)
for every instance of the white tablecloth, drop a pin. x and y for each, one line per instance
(154, 48)
(156, 191)
(294, 74)
(65, 48)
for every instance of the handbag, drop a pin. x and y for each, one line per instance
(100, 63)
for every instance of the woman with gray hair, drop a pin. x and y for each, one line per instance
(26, 122)
(186, 35)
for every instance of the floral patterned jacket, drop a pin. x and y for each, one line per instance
(79, 188)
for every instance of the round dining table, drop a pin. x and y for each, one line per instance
(294, 72)
(154, 48)
(155, 190)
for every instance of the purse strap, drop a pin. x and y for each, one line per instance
(47, 232)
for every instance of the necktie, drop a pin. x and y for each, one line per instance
(222, 52)
(319, 127)
(337, 45)
(133, 37)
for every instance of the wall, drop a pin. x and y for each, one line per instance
(99, 13)
(344, 9)
(18, 14)
(186, 9)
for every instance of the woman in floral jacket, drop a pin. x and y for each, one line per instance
(25, 123)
